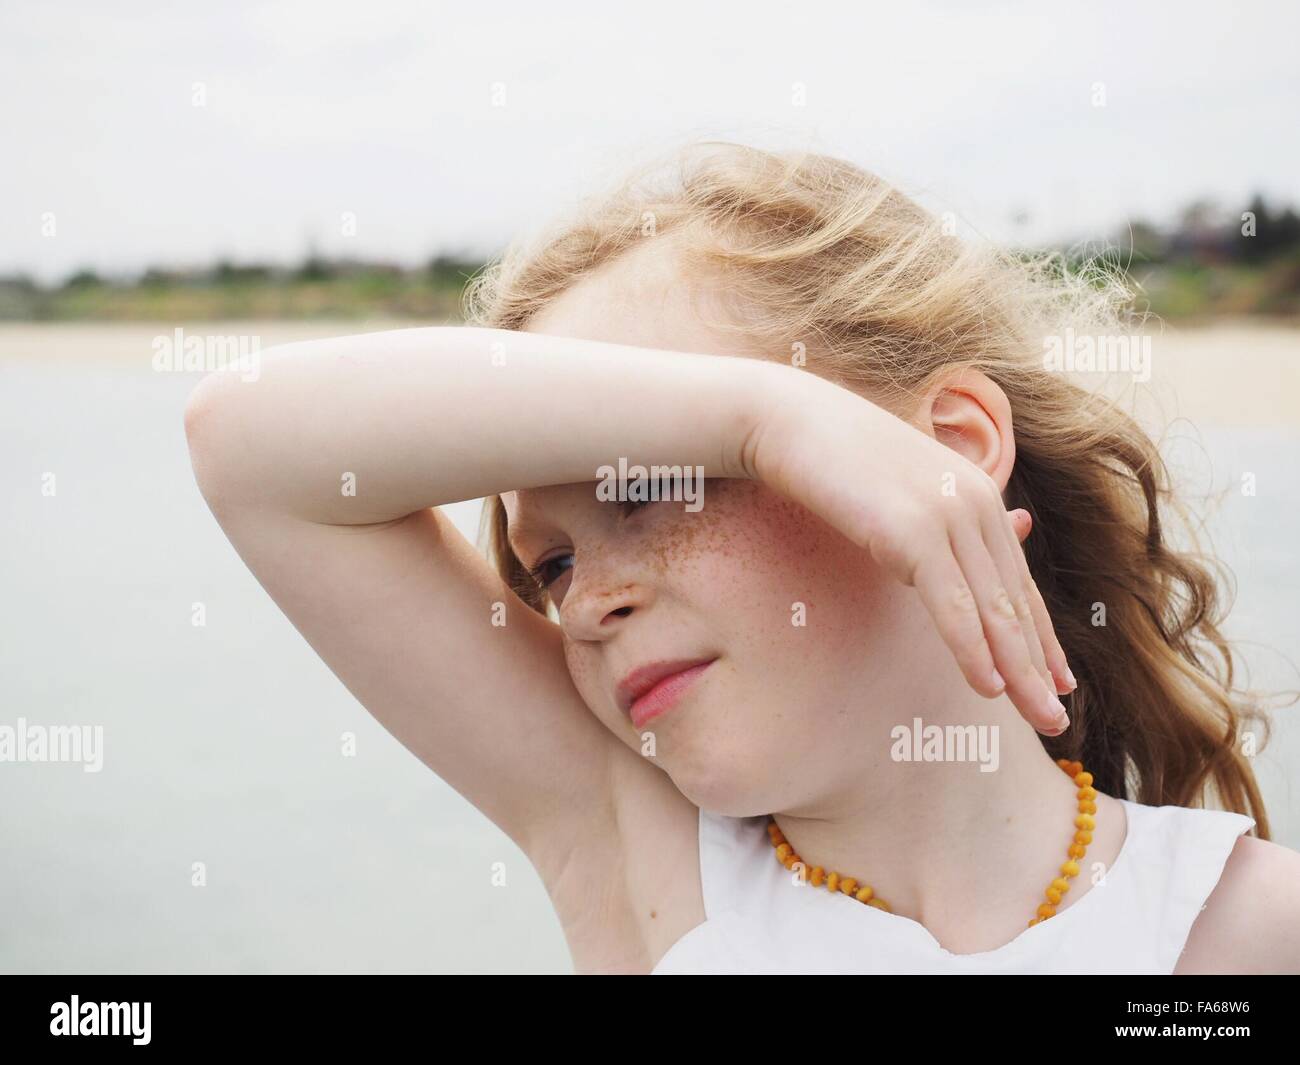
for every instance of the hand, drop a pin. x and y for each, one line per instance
(933, 519)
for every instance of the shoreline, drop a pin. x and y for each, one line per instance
(1231, 372)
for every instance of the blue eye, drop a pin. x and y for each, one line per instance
(542, 571)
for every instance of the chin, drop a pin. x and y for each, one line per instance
(730, 784)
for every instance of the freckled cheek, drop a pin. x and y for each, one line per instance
(590, 683)
(764, 564)
(783, 593)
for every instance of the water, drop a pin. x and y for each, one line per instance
(222, 742)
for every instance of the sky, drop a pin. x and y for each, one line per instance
(174, 134)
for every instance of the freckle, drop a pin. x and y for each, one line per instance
(653, 914)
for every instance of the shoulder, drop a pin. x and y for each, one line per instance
(1251, 921)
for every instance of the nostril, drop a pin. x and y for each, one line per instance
(622, 611)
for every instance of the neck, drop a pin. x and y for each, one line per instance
(966, 853)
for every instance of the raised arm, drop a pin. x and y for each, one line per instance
(387, 591)
(421, 417)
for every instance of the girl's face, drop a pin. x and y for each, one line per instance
(807, 633)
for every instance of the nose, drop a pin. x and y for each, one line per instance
(595, 608)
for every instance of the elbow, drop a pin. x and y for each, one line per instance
(195, 413)
(206, 425)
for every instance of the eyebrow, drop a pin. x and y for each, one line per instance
(521, 532)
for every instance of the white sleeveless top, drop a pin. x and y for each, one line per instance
(1135, 920)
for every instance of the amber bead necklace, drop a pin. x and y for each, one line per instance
(1083, 823)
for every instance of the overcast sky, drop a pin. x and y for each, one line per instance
(392, 111)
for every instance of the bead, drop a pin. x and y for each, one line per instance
(1085, 822)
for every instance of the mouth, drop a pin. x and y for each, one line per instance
(656, 688)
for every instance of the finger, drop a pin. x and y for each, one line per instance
(1062, 679)
(1004, 549)
(1004, 629)
(947, 596)
(1022, 522)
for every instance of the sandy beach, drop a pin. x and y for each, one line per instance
(1238, 373)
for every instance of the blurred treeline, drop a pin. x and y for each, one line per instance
(1216, 263)
(316, 288)
(1210, 263)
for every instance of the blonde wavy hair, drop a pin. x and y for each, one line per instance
(882, 296)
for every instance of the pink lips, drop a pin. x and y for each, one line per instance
(656, 689)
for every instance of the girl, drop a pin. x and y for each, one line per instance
(698, 721)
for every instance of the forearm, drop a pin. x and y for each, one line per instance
(413, 418)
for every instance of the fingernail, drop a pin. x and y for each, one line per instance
(1070, 679)
(998, 683)
(1052, 709)
(1062, 723)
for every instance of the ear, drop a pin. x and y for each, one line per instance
(964, 410)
